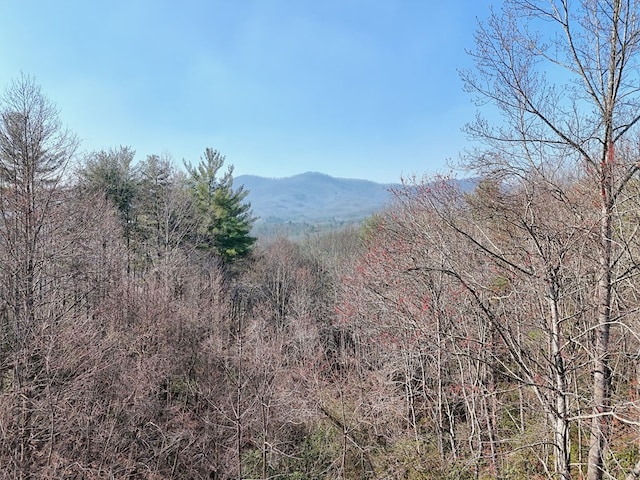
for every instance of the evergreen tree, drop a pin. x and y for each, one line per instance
(224, 216)
(112, 174)
(164, 208)
(155, 187)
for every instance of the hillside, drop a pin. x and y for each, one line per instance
(312, 201)
(313, 197)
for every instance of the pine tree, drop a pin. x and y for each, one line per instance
(112, 173)
(225, 218)
(165, 217)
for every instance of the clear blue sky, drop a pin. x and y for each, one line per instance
(353, 88)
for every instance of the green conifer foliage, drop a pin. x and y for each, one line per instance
(225, 218)
(112, 173)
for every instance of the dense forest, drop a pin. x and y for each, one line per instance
(145, 333)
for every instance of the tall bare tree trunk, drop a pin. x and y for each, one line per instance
(601, 369)
(34, 150)
(561, 444)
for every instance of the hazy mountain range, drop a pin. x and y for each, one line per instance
(314, 200)
(313, 197)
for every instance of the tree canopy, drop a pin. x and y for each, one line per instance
(224, 216)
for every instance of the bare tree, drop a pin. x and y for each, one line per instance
(493, 289)
(34, 150)
(564, 77)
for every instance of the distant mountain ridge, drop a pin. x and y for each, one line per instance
(313, 197)
(315, 201)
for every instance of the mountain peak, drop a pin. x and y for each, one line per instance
(313, 197)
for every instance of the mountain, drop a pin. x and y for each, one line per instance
(315, 201)
(313, 198)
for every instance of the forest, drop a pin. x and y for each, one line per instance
(485, 334)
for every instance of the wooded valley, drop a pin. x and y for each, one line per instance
(145, 333)
(452, 336)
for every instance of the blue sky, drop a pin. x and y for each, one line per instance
(353, 88)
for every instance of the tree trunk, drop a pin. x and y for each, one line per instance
(601, 372)
(561, 445)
